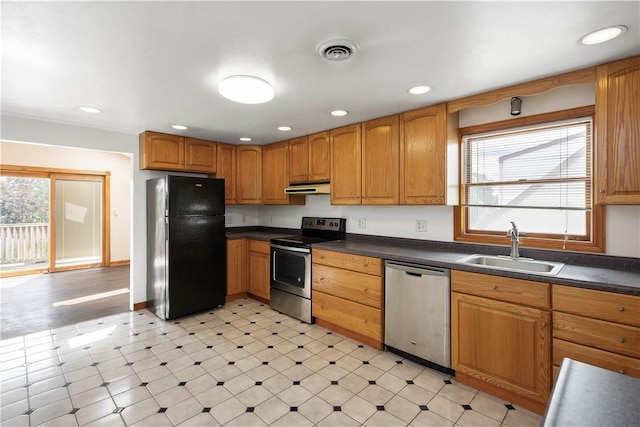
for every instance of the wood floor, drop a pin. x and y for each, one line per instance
(35, 303)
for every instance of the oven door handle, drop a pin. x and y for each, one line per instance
(289, 248)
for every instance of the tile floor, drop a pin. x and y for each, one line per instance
(240, 365)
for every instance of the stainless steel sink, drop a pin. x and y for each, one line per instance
(524, 265)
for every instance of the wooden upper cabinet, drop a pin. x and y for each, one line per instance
(299, 160)
(249, 175)
(161, 151)
(617, 126)
(200, 155)
(226, 169)
(310, 158)
(275, 175)
(319, 157)
(346, 171)
(426, 166)
(380, 151)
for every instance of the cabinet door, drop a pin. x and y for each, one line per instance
(618, 132)
(226, 169)
(299, 160)
(319, 157)
(380, 147)
(161, 151)
(275, 174)
(346, 171)
(199, 156)
(259, 283)
(249, 175)
(236, 266)
(423, 145)
(505, 345)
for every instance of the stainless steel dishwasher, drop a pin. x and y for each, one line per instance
(417, 312)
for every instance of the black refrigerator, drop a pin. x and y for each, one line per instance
(186, 245)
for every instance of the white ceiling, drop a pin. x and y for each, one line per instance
(148, 65)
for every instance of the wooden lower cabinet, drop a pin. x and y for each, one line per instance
(258, 270)
(347, 295)
(236, 269)
(501, 347)
(597, 327)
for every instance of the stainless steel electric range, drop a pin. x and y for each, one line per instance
(291, 265)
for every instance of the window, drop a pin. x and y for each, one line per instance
(535, 171)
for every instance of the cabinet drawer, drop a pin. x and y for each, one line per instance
(610, 306)
(359, 287)
(525, 292)
(355, 317)
(608, 336)
(259, 246)
(363, 264)
(604, 359)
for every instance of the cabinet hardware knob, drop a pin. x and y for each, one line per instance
(621, 308)
(543, 324)
(622, 371)
(621, 339)
(494, 287)
(602, 191)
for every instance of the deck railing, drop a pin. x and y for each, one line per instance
(24, 243)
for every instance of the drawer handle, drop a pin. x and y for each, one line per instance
(620, 308)
(494, 287)
(622, 371)
(543, 324)
(621, 339)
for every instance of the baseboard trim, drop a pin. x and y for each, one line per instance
(234, 297)
(119, 263)
(257, 298)
(139, 305)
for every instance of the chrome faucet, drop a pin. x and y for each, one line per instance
(514, 234)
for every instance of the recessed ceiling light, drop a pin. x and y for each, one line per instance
(90, 110)
(180, 127)
(339, 113)
(245, 139)
(284, 128)
(246, 89)
(602, 35)
(419, 90)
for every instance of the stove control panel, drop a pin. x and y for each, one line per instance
(325, 224)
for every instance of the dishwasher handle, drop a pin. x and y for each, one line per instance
(418, 270)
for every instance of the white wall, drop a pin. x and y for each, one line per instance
(82, 159)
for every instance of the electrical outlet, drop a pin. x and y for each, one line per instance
(362, 223)
(244, 218)
(228, 219)
(421, 225)
(271, 219)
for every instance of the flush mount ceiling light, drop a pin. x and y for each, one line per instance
(284, 128)
(419, 90)
(602, 35)
(180, 127)
(90, 110)
(246, 89)
(338, 49)
(339, 113)
(245, 139)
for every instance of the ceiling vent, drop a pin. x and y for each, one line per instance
(337, 50)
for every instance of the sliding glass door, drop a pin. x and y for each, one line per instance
(77, 222)
(52, 220)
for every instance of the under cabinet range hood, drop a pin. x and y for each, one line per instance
(314, 188)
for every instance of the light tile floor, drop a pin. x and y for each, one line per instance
(240, 365)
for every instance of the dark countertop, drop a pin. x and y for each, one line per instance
(586, 395)
(599, 272)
